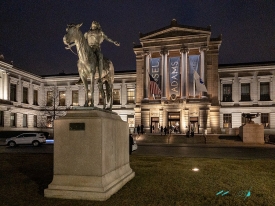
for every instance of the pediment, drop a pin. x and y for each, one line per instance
(175, 33)
(175, 30)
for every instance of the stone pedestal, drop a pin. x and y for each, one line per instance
(91, 156)
(252, 133)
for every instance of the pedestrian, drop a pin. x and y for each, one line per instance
(187, 133)
(142, 127)
(161, 130)
(192, 133)
(153, 129)
(165, 130)
(131, 143)
(138, 129)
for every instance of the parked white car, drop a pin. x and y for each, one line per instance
(35, 139)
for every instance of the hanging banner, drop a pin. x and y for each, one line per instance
(174, 72)
(194, 66)
(155, 69)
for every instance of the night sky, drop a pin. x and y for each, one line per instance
(31, 31)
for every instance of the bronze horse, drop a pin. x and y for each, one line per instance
(88, 66)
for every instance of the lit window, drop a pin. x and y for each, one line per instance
(49, 121)
(130, 96)
(227, 92)
(75, 98)
(62, 98)
(116, 97)
(227, 120)
(265, 119)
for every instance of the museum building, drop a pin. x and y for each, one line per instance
(178, 83)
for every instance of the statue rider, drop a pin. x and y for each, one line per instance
(95, 36)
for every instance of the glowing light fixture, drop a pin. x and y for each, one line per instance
(195, 169)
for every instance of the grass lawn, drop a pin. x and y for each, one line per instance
(158, 181)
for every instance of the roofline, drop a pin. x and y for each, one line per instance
(267, 63)
(175, 24)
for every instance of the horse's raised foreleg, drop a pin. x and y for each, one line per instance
(85, 82)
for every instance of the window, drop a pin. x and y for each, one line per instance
(227, 92)
(25, 120)
(13, 120)
(62, 98)
(1, 118)
(130, 96)
(13, 92)
(25, 95)
(35, 97)
(75, 98)
(116, 97)
(245, 92)
(265, 120)
(49, 98)
(227, 120)
(35, 121)
(264, 91)
(49, 121)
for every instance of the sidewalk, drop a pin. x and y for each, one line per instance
(199, 140)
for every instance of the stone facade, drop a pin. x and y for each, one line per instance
(183, 108)
(24, 95)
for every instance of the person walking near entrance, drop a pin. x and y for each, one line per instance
(142, 127)
(138, 129)
(165, 130)
(161, 130)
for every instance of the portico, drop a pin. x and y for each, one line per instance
(171, 55)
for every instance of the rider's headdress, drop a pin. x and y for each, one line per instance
(97, 24)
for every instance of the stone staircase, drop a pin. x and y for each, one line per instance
(182, 139)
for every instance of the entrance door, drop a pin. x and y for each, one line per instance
(154, 125)
(174, 122)
(194, 126)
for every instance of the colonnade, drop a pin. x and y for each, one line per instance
(184, 71)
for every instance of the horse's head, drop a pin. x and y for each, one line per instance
(71, 33)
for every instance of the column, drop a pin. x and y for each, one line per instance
(6, 86)
(123, 94)
(68, 95)
(164, 76)
(184, 52)
(30, 93)
(146, 74)
(202, 70)
(19, 94)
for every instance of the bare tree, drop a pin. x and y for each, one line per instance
(53, 106)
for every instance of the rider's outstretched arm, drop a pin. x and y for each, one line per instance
(110, 40)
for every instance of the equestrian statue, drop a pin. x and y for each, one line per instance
(91, 63)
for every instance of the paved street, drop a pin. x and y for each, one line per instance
(196, 150)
